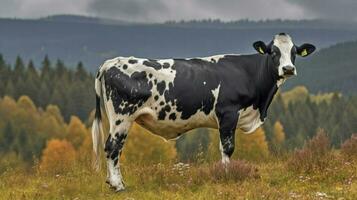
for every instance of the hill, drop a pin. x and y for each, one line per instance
(330, 69)
(92, 40)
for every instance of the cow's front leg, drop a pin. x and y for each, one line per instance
(113, 148)
(227, 126)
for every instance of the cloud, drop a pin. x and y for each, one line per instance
(42, 8)
(329, 9)
(163, 10)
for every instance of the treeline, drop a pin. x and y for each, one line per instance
(304, 114)
(262, 24)
(51, 83)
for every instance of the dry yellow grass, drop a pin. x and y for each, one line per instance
(179, 181)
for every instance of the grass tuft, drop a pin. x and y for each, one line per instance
(349, 148)
(314, 156)
(236, 170)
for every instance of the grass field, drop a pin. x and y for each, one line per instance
(270, 179)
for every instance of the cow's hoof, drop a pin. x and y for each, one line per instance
(120, 189)
(117, 185)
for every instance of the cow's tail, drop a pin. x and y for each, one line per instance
(97, 129)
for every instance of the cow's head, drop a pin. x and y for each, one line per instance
(283, 52)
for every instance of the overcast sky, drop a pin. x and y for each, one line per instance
(164, 10)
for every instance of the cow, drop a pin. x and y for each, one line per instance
(169, 97)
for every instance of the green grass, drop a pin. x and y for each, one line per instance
(157, 181)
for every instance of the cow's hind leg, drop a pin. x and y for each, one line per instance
(227, 125)
(113, 148)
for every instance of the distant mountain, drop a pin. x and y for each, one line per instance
(93, 40)
(330, 69)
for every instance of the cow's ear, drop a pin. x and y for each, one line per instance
(260, 47)
(305, 49)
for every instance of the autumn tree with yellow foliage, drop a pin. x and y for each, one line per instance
(76, 132)
(278, 138)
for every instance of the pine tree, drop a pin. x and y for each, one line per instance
(7, 138)
(19, 70)
(80, 73)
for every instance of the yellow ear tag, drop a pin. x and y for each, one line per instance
(261, 50)
(303, 53)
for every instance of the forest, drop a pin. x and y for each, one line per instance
(47, 111)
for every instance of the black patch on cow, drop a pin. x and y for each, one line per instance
(114, 146)
(162, 103)
(118, 122)
(152, 63)
(162, 114)
(167, 108)
(172, 116)
(187, 88)
(129, 91)
(132, 61)
(161, 87)
(125, 66)
(163, 111)
(116, 159)
(98, 114)
(166, 65)
(156, 97)
(155, 81)
(150, 75)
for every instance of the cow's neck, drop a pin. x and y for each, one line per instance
(266, 86)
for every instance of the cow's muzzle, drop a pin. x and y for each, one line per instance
(289, 70)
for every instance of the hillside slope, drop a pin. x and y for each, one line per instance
(330, 69)
(92, 40)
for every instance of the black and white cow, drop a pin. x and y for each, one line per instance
(171, 96)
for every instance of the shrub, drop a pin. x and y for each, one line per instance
(59, 156)
(349, 148)
(315, 155)
(236, 170)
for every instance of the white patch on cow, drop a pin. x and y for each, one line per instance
(285, 44)
(225, 158)
(115, 178)
(249, 119)
(163, 74)
(280, 82)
